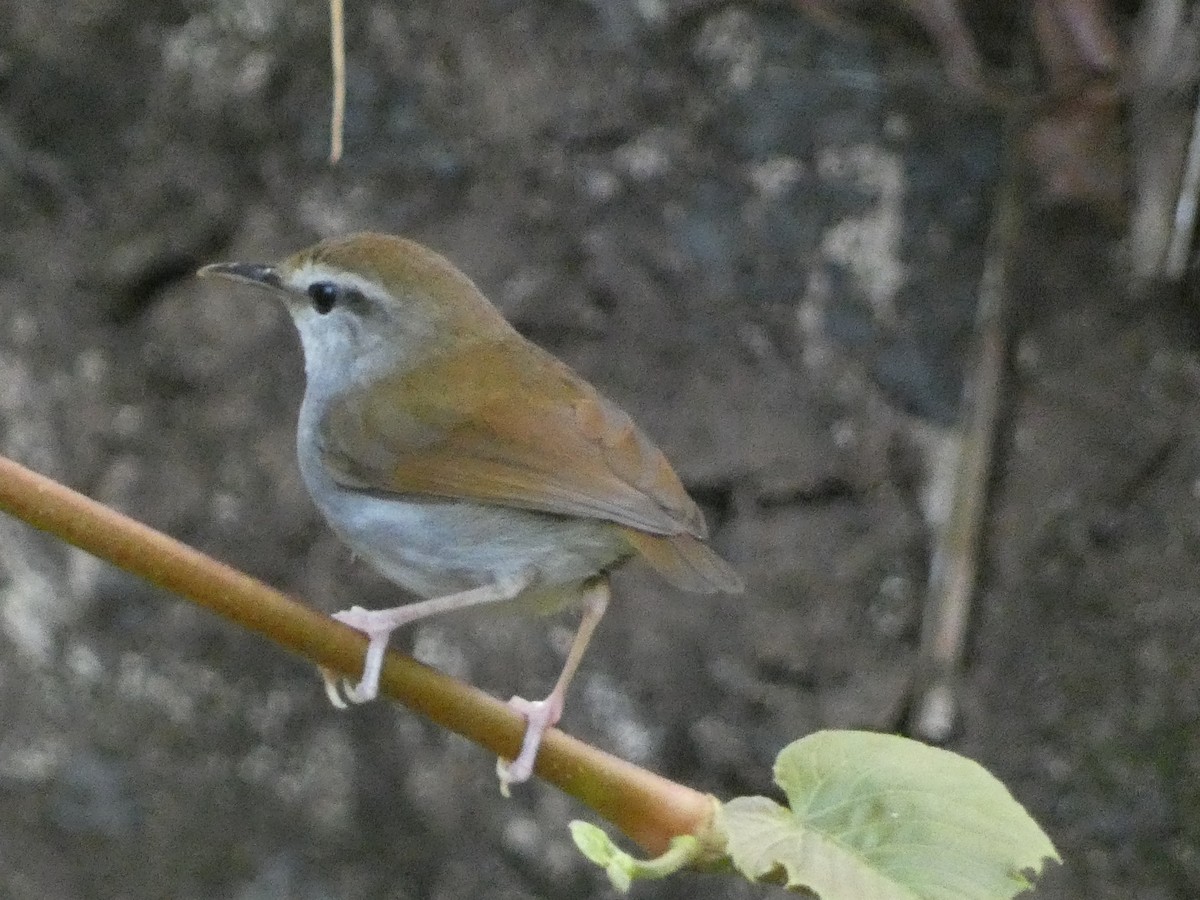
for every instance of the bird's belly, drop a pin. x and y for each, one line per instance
(437, 547)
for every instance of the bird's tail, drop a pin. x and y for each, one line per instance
(686, 562)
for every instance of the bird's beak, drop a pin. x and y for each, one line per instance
(249, 273)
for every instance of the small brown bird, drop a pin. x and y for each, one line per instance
(465, 463)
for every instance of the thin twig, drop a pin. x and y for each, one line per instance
(1184, 223)
(648, 808)
(955, 560)
(337, 41)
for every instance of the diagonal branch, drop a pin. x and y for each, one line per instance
(648, 808)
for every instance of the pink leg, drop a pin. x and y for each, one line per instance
(378, 626)
(541, 715)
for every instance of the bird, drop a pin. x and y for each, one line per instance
(465, 463)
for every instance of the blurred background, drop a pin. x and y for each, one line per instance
(760, 227)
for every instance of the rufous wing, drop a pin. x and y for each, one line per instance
(502, 421)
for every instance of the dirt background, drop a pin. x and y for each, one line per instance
(761, 238)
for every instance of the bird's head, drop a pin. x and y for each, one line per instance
(371, 301)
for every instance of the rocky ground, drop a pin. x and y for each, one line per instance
(764, 240)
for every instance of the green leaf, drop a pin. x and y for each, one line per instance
(621, 868)
(885, 818)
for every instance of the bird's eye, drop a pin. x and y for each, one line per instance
(324, 296)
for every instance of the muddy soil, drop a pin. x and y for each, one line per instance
(762, 239)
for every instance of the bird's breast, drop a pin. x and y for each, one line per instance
(435, 547)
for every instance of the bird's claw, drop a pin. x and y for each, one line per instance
(540, 716)
(340, 690)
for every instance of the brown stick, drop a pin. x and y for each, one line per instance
(337, 45)
(648, 808)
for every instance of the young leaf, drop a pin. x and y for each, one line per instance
(621, 868)
(887, 818)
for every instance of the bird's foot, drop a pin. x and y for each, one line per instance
(540, 716)
(378, 626)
